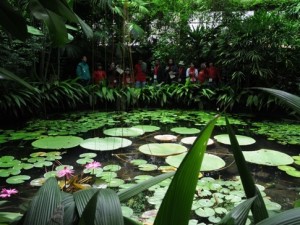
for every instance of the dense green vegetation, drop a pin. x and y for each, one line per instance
(257, 50)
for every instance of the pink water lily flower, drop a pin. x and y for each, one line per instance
(93, 165)
(6, 193)
(65, 172)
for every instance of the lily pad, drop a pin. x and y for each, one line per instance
(205, 212)
(286, 168)
(38, 182)
(112, 168)
(84, 161)
(191, 140)
(127, 211)
(268, 157)
(137, 162)
(185, 130)
(242, 140)
(147, 128)
(88, 155)
(210, 162)
(105, 144)
(165, 137)
(50, 174)
(163, 149)
(17, 179)
(124, 132)
(293, 173)
(57, 142)
(115, 182)
(147, 167)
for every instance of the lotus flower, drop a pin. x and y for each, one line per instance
(93, 165)
(65, 172)
(6, 193)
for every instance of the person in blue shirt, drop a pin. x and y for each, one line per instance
(83, 71)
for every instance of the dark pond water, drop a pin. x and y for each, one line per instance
(277, 135)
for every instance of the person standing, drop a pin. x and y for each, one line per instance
(181, 72)
(140, 76)
(99, 75)
(203, 75)
(83, 71)
(192, 73)
(158, 72)
(214, 76)
(171, 72)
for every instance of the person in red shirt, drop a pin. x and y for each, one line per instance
(214, 76)
(203, 74)
(128, 79)
(99, 75)
(140, 75)
(192, 73)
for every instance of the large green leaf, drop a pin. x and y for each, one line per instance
(105, 144)
(45, 205)
(70, 213)
(163, 149)
(132, 191)
(258, 208)
(12, 21)
(82, 198)
(104, 208)
(289, 217)
(57, 142)
(291, 100)
(239, 214)
(9, 75)
(128, 221)
(177, 203)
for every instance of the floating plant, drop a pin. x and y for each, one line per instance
(57, 142)
(242, 140)
(163, 149)
(268, 157)
(124, 132)
(105, 144)
(185, 130)
(166, 137)
(191, 140)
(147, 128)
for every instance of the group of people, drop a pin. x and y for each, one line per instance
(115, 76)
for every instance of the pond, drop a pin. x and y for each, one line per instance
(146, 144)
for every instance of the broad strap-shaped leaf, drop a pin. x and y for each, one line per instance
(82, 197)
(258, 208)
(12, 21)
(177, 203)
(9, 75)
(291, 100)
(104, 208)
(289, 217)
(239, 214)
(45, 207)
(138, 188)
(70, 213)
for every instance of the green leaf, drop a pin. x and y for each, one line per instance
(44, 204)
(9, 75)
(291, 100)
(69, 208)
(12, 21)
(259, 208)
(289, 217)
(82, 198)
(128, 221)
(104, 208)
(177, 203)
(239, 214)
(132, 191)
(8, 217)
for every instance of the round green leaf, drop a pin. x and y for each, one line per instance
(115, 182)
(112, 168)
(50, 174)
(185, 130)
(84, 161)
(105, 144)
(57, 142)
(293, 173)
(88, 155)
(165, 137)
(137, 162)
(126, 211)
(210, 162)
(286, 168)
(124, 132)
(205, 212)
(17, 179)
(268, 157)
(163, 149)
(191, 140)
(38, 182)
(147, 128)
(242, 140)
(147, 167)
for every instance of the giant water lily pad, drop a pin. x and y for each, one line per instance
(147, 128)
(268, 157)
(57, 142)
(124, 132)
(17, 179)
(242, 140)
(191, 140)
(185, 130)
(165, 137)
(210, 162)
(105, 144)
(163, 149)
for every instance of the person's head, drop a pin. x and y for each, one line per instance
(127, 70)
(211, 64)
(84, 58)
(170, 61)
(157, 62)
(99, 67)
(192, 65)
(203, 66)
(113, 65)
(140, 62)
